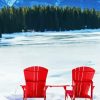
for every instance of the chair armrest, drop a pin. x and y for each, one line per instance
(23, 87)
(45, 88)
(70, 85)
(67, 85)
(93, 87)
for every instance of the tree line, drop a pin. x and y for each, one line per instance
(47, 18)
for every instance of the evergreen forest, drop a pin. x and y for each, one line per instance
(47, 18)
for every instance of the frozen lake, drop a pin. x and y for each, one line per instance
(60, 52)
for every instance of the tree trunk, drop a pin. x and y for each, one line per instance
(0, 35)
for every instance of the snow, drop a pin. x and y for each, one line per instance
(60, 52)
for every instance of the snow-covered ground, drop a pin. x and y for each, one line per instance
(60, 52)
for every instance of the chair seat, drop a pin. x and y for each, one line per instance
(84, 96)
(70, 93)
(30, 93)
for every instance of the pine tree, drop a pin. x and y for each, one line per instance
(47, 18)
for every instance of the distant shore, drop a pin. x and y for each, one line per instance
(47, 18)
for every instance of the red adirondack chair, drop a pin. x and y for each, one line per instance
(82, 85)
(35, 78)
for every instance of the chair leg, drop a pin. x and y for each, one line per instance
(91, 98)
(65, 97)
(44, 98)
(24, 98)
(72, 98)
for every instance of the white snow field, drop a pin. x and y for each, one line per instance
(60, 52)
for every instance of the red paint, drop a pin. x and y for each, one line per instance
(81, 83)
(35, 78)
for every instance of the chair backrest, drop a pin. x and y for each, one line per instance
(35, 77)
(82, 79)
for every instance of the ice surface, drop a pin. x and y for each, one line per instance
(60, 52)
